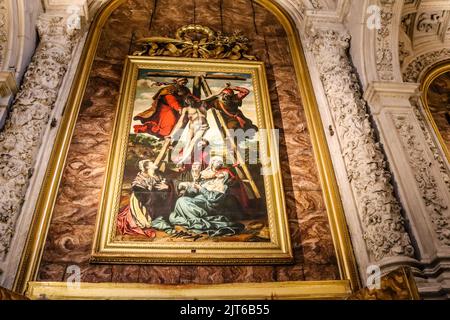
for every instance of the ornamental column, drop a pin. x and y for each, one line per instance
(423, 176)
(418, 165)
(30, 117)
(379, 222)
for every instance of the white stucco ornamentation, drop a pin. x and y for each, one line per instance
(437, 155)
(3, 31)
(21, 138)
(379, 210)
(414, 71)
(435, 204)
(384, 54)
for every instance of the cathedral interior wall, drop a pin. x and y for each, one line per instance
(71, 231)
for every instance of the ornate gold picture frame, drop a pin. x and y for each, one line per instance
(160, 203)
(434, 89)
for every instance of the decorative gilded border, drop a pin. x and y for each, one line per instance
(29, 266)
(230, 291)
(424, 88)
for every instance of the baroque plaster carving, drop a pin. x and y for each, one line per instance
(21, 138)
(414, 71)
(404, 48)
(316, 4)
(436, 206)
(428, 21)
(383, 224)
(384, 54)
(427, 29)
(3, 31)
(431, 144)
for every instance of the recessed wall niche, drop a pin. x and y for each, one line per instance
(71, 230)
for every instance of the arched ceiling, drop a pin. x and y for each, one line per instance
(425, 27)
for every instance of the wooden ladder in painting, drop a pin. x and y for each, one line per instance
(242, 170)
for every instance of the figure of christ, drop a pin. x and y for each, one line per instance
(160, 119)
(151, 197)
(206, 206)
(195, 118)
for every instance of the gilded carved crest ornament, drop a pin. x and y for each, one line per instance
(196, 41)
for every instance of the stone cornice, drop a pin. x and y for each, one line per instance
(397, 94)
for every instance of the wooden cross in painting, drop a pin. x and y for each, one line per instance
(200, 84)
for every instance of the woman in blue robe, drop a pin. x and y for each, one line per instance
(206, 206)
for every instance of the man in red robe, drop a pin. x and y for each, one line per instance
(160, 119)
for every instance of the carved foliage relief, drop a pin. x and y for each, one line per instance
(383, 224)
(384, 55)
(21, 137)
(436, 206)
(414, 71)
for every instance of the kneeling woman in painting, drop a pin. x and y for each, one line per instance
(206, 206)
(150, 193)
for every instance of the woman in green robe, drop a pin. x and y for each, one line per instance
(206, 206)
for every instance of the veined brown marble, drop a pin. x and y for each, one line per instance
(72, 228)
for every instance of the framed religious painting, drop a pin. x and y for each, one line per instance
(193, 172)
